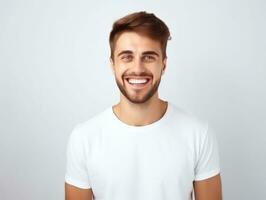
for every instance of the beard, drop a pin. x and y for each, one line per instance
(138, 98)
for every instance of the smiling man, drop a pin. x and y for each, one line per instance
(142, 148)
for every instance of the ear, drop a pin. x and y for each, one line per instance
(164, 65)
(112, 65)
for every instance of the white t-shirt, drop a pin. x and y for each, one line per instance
(158, 161)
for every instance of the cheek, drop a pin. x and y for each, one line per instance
(119, 74)
(157, 73)
(120, 70)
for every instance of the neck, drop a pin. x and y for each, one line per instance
(140, 114)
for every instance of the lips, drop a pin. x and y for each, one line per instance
(138, 82)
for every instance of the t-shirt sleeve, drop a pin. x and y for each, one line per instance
(207, 164)
(76, 167)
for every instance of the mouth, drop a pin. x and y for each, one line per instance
(138, 83)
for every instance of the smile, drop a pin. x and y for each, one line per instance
(138, 83)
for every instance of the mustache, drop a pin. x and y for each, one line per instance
(138, 74)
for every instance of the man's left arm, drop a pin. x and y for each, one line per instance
(208, 189)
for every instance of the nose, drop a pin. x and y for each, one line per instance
(138, 65)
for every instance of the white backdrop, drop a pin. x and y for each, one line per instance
(54, 73)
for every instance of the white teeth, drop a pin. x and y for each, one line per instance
(136, 81)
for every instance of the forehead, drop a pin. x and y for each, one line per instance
(136, 42)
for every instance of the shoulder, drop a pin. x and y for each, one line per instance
(197, 131)
(91, 126)
(188, 123)
(187, 119)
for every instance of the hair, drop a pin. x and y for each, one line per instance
(143, 23)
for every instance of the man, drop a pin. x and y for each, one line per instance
(142, 148)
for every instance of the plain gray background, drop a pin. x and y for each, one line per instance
(54, 73)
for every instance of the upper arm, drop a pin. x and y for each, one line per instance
(208, 189)
(76, 162)
(75, 193)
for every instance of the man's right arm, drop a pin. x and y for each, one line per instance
(75, 193)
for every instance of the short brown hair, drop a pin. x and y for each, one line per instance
(144, 23)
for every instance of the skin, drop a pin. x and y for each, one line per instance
(137, 56)
(75, 193)
(208, 189)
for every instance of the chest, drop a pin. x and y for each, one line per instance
(131, 163)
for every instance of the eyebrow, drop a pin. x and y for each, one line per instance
(150, 53)
(144, 53)
(124, 52)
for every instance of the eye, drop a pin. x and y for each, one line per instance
(148, 58)
(127, 58)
